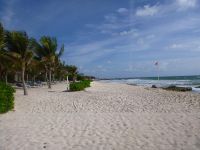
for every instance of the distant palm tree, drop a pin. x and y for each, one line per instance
(2, 37)
(2, 41)
(46, 51)
(73, 71)
(61, 71)
(5, 64)
(18, 49)
(33, 70)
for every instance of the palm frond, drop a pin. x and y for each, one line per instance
(2, 37)
(61, 51)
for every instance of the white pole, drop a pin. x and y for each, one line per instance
(68, 87)
(157, 65)
(158, 72)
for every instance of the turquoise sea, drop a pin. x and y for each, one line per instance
(183, 81)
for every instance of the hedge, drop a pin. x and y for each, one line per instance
(6, 97)
(79, 86)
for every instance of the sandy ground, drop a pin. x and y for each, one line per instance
(105, 116)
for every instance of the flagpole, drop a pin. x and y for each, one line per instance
(158, 73)
(157, 66)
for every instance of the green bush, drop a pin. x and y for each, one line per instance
(79, 86)
(6, 98)
(86, 83)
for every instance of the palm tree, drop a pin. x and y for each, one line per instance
(73, 71)
(2, 37)
(5, 64)
(2, 41)
(19, 51)
(46, 51)
(61, 71)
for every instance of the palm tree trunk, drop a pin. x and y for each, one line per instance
(23, 81)
(49, 78)
(53, 77)
(27, 77)
(33, 78)
(46, 74)
(6, 77)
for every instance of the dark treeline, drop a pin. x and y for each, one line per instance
(26, 59)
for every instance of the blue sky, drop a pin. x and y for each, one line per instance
(115, 38)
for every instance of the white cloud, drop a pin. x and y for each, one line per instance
(147, 11)
(184, 4)
(7, 12)
(125, 33)
(114, 23)
(151, 36)
(122, 10)
(99, 66)
(110, 17)
(8, 17)
(176, 46)
(128, 32)
(109, 62)
(140, 41)
(189, 45)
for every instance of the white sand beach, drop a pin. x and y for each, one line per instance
(105, 116)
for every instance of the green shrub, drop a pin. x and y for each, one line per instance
(6, 98)
(86, 83)
(79, 86)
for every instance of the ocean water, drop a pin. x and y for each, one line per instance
(182, 81)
